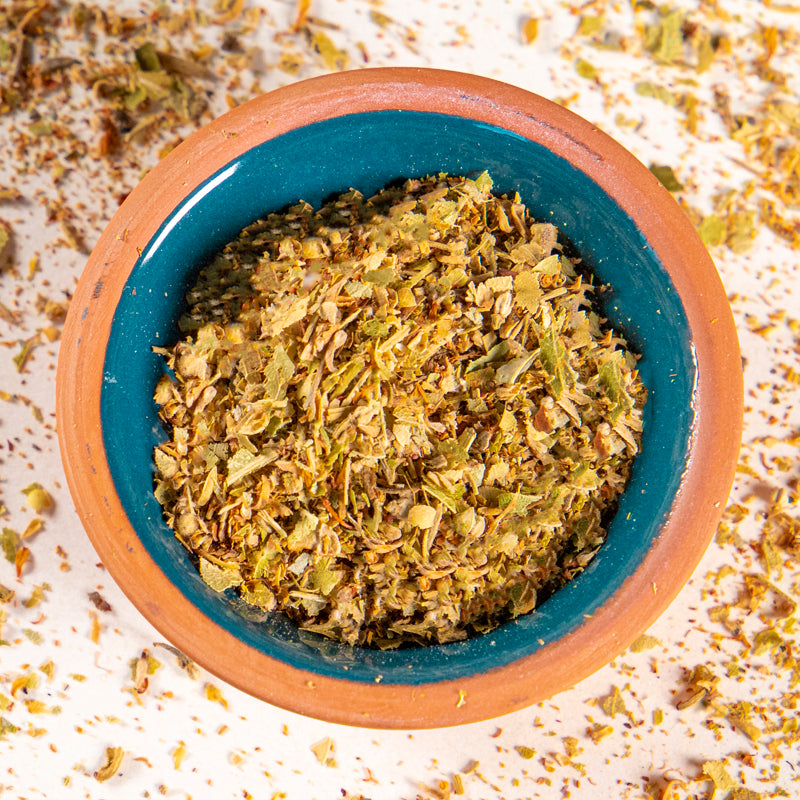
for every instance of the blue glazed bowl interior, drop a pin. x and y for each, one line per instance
(365, 152)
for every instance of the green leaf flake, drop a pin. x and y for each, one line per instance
(380, 277)
(6, 727)
(512, 370)
(665, 40)
(147, 57)
(590, 24)
(611, 379)
(613, 703)
(667, 176)
(766, 641)
(527, 291)
(585, 69)
(712, 231)
(334, 58)
(243, 463)
(495, 353)
(648, 89)
(32, 635)
(219, 578)
(277, 374)
(323, 578)
(723, 782)
(645, 642)
(375, 329)
(9, 541)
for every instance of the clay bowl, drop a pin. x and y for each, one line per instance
(365, 129)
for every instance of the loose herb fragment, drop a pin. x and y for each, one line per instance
(114, 757)
(323, 750)
(37, 498)
(99, 602)
(666, 175)
(397, 418)
(184, 662)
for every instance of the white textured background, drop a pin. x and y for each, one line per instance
(57, 193)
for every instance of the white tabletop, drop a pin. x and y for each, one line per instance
(630, 730)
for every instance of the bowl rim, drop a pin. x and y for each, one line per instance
(645, 594)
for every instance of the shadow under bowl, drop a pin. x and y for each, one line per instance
(364, 130)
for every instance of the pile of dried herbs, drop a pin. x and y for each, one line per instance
(397, 418)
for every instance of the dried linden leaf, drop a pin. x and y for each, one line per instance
(645, 642)
(380, 277)
(9, 541)
(667, 177)
(219, 578)
(723, 782)
(648, 89)
(391, 403)
(712, 231)
(527, 291)
(422, 516)
(585, 69)
(323, 750)
(613, 703)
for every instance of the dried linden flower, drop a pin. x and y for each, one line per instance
(395, 419)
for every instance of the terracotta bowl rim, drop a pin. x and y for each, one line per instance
(698, 505)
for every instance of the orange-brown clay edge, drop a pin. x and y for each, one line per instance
(644, 595)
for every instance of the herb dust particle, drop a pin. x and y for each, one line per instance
(396, 419)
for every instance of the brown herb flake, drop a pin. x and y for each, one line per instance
(110, 767)
(141, 669)
(598, 732)
(184, 662)
(396, 418)
(701, 687)
(99, 602)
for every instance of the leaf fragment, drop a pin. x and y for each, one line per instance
(213, 693)
(613, 703)
(219, 578)
(530, 30)
(644, 642)
(111, 765)
(323, 750)
(38, 498)
(723, 782)
(666, 175)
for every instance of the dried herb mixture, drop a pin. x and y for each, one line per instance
(396, 419)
